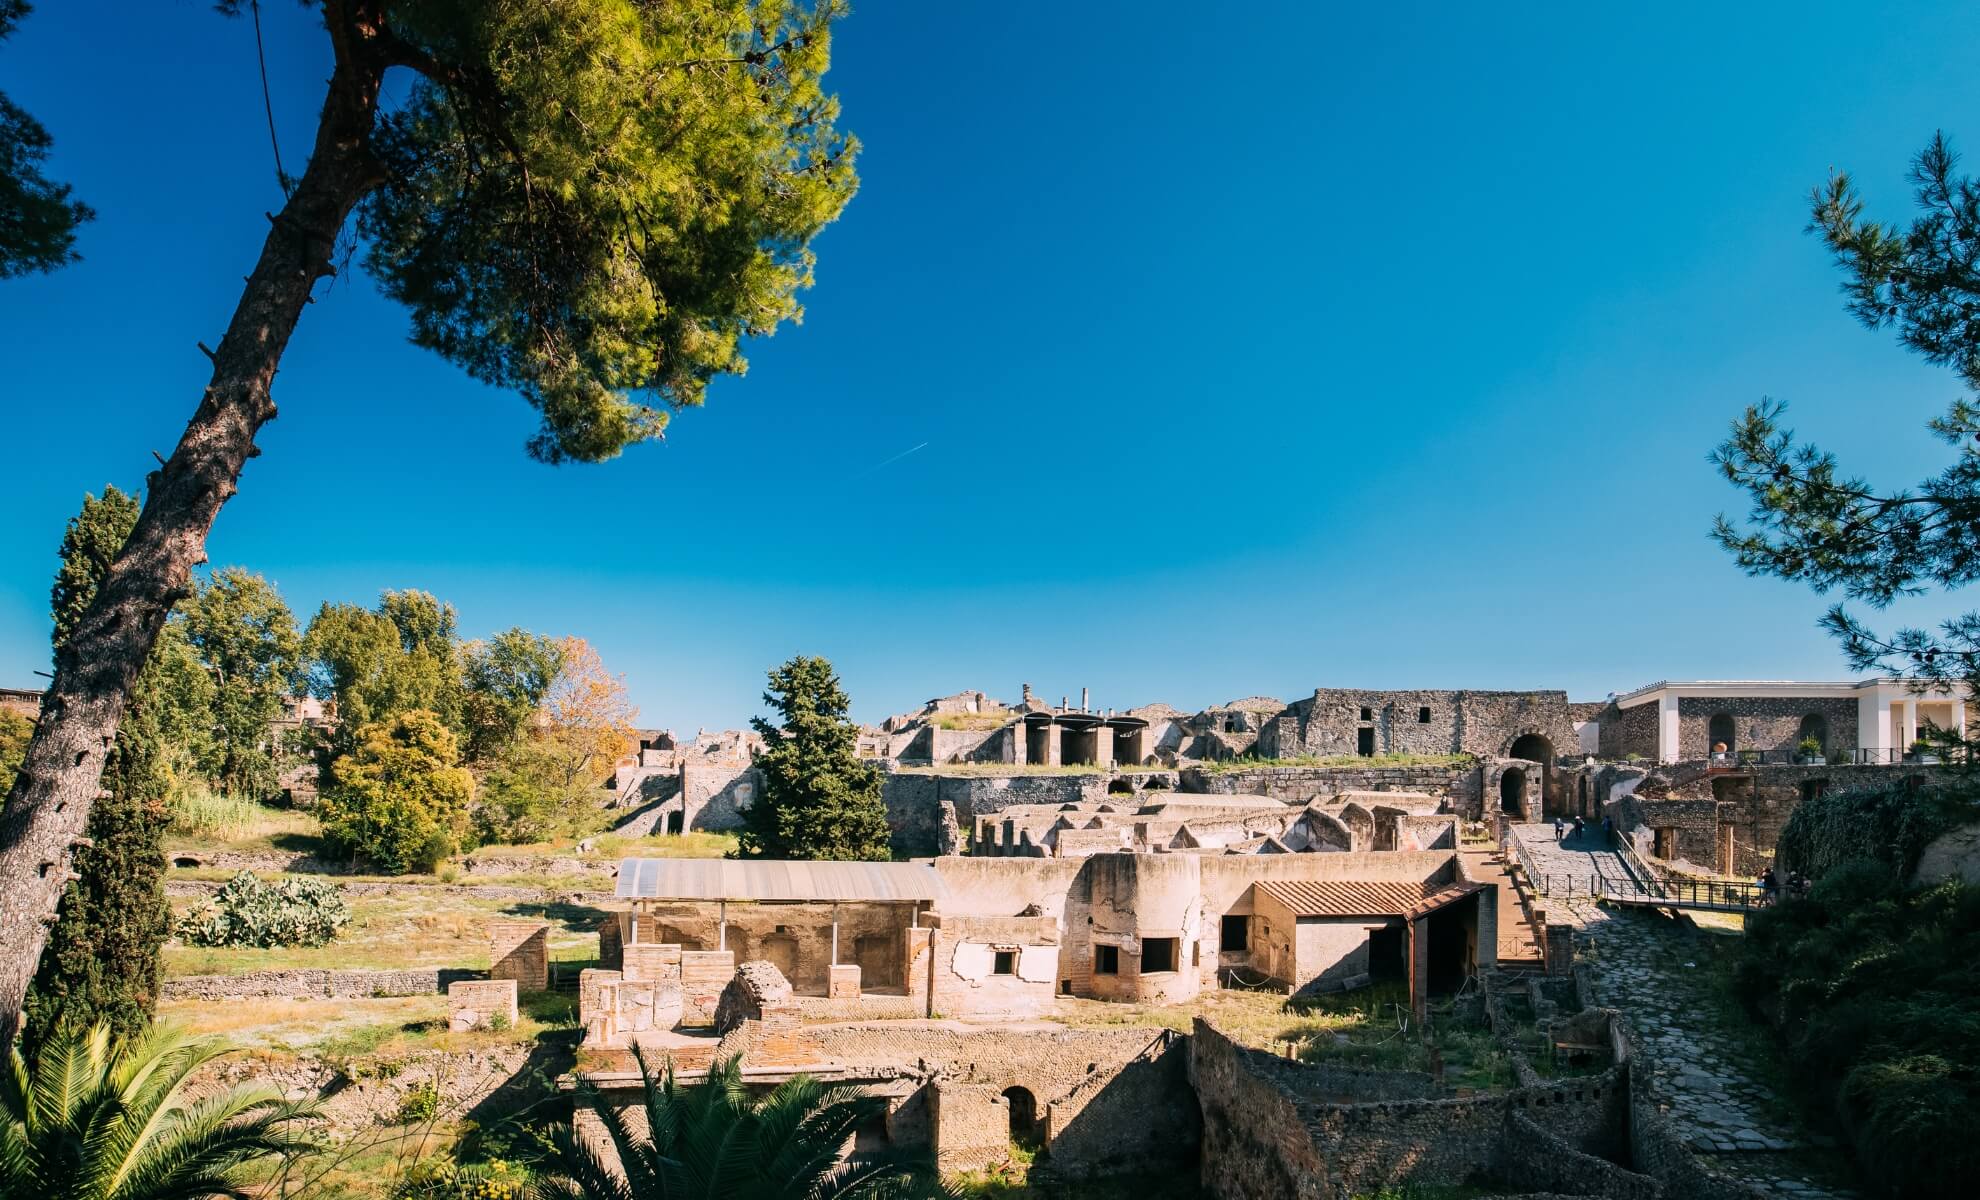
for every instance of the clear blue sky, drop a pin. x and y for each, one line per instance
(1358, 346)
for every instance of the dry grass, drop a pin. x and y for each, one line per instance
(438, 927)
(610, 847)
(1258, 1019)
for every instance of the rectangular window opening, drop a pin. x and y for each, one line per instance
(1005, 963)
(1367, 713)
(1106, 960)
(1158, 955)
(1234, 933)
(1422, 716)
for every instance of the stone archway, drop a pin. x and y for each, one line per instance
(1512, 792)
(1024, 1115)
(1534, 746)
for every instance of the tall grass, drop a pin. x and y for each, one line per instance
(198, 810)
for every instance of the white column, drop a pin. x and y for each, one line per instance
(1910, 724)
(722, 936)
(835, 935)
(1667, 728)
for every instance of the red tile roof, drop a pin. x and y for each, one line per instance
(1362, 898)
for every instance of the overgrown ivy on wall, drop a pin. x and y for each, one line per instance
(1890, 825)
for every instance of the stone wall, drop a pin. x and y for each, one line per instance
(1305, 784)
(1331, 721)
(714, 795)
(1762, 723)
(1627, 731)
(1270, 1134)
(914, 800)
(312, 984)
(481, 1004)
(520, 950)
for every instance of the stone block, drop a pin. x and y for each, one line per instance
(591, 984)
(704, 973)
(758, 991)
(644, 963)
(844, 982)
(520, 950)
(481, 1004)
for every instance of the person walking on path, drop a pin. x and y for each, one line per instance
(1558, 826)
(1579, 828)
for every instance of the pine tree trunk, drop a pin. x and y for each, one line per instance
(95, 671)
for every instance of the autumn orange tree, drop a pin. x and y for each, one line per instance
(590, 203)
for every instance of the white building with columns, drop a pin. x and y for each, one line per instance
(1870, 720)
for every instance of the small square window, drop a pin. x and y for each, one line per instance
(1157, 955)
(1367, 713)
(1005, 963)
(1422, 716)
(1065, 987)
(1106, 960)
(1233, 933)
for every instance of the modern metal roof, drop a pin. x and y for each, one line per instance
(727, 879)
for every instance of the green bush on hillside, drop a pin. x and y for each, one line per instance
(248, 911)
(1871, 987)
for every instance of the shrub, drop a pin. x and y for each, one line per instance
(248, 911)
(1870, 987)
(440, 1179)
(421, 1105)
(400, 798)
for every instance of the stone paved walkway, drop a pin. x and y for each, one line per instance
(1702, 1071)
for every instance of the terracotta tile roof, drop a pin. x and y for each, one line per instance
(1362, 898)
(1442, 896)
(1343, 897)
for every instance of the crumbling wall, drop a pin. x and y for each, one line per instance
(914, 800)
(1302, 785)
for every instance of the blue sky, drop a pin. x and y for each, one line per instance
(1374, 346)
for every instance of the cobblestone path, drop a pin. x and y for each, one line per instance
(1703, 1070)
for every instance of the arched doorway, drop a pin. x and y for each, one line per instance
(1024, 1115)
(1534, 747)
(1512, 792)
(1814, 727)
(1719, 732)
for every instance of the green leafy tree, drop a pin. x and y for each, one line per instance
(101, 960)
(401, 798)
(711, 1139)
(37, 217)
(91, 1117)
(378, 664)
(819, 800)
(505, 681)
(1812, 523)
(15, 730)
(246, 637)
(587, 202)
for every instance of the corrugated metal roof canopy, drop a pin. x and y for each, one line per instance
(727, 879)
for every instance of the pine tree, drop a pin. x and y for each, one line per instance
(101, 962)
(818, 800)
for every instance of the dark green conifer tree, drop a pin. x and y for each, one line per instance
(101, 961)
(818, 800)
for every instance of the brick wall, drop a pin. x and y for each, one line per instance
(520, 950)
(481, 1004)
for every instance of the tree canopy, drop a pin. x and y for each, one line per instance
(1811, 522)
(819, 800)
(588, 202)
(38, 216)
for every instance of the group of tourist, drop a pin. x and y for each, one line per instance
(1563, 828)
(1770, 886)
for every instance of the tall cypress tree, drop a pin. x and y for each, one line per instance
(101, 961)
(819, 800)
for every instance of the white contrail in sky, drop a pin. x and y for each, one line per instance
(898, 457)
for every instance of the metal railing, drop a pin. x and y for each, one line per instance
(1885, 757)
(1713, 894)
